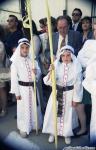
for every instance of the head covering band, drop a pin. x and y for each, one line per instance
(24, 40)
(67, 47)
(16, 54)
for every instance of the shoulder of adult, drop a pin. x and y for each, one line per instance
(77, 65)
(88, 43)
(74, 32)
(55, 34)
(36, 37)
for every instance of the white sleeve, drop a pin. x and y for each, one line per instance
(82, 58)
(78, 88)
(90, 81)
(48, 78)
(14, 81)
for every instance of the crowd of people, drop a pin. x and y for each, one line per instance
(74, 40)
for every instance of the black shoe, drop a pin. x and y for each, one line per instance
(82, 134)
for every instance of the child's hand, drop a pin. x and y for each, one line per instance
(74, 104)
(18, 97)
(51, 67)
(54, 57)
(34, 70)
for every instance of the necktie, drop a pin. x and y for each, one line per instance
(73, 27)
(62, 43)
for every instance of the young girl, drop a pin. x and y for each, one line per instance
(69, 93)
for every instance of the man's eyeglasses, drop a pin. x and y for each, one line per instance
(75, 14)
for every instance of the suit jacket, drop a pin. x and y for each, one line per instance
(79, 27)
(89, 36)
(74, 40)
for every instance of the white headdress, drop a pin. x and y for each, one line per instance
(64, 49)
(16, 54)
(74, 59)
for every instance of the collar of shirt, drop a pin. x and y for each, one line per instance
(75, 26)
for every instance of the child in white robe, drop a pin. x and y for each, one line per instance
(22, 77)
(69, 93)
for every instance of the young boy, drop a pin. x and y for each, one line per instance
(22, 77)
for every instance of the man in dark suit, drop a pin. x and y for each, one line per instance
(64, 36)
(76, 20)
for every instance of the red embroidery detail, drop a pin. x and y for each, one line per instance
(30, 89)
(61, 119)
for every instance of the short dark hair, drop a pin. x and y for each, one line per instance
(43, 21)
(78, 9)
(86, 18)
(16, 19)
(63, 18)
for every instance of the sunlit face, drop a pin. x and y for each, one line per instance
(62, 27)
(94, 30)
(86, 25)
(66, 57)
(24, 50)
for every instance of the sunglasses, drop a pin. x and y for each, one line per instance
(75, 14)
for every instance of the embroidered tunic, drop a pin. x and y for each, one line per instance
(22, 71)
(66, 75)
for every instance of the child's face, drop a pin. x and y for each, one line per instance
(24, 50)
(66, 57)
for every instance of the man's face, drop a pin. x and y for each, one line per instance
(62, 27)
(24, 50)
(76, 16)
(12, 22)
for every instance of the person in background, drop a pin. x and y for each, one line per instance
(76, 20)
(87, 33)
(69, 91)
(4, 73)
(64, 36)
(85, 54)
(36, 38)
(22, 82)
(70, 21)
(14, 34)
(44, 62)
(42, 24)
(89, 84)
